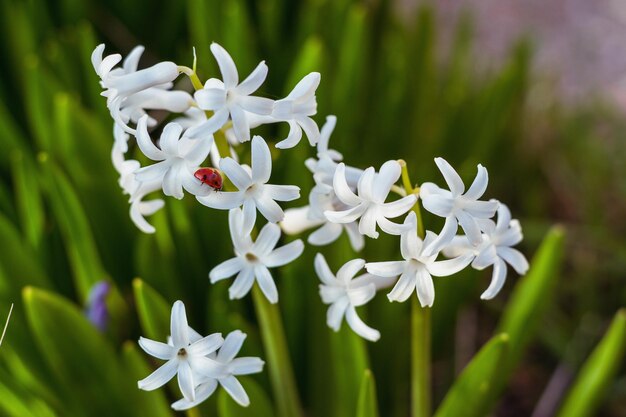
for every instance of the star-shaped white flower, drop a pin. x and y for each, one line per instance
(184, 357)
(297, 109)
(456, 207)
(254, 192)
(122, 84)
(495, 249)
(229, 98)
(344, 293)
(369, 205)
(417, 268)
(178, 157)
(226, 356)
(254, 258)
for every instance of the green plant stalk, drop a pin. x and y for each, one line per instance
(420, 328)
(278, 362)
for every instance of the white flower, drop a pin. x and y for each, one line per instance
(234, 366)
(139, 208)
(369, 205)
(416, 269)
(344, 293)
(184, 357)
(229, 98)
(178, 157)
(495, 249)
(254, 258)
(297, 109)
(254, 192)
(456, 207)
(123, 83)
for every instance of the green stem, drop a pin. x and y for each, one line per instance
(277, 355)
(420, 328)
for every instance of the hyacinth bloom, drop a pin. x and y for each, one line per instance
(495, 249)
(344, 293)
(122, 83)
(254, 258)
(369, 205)
(417, 269)
(227, 98)
(96, 309)
(254, 192)
(457, 207)
(178, 158)
(185, 358)
(226, 356)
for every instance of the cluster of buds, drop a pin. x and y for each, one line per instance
(213, 123)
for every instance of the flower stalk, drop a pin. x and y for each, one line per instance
(277, 354)
(420, 329)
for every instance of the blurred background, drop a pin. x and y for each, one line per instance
(535, 91)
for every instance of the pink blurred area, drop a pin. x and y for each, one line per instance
(580, 44)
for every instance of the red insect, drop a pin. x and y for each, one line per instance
(210, 177)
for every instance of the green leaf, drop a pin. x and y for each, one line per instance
(28, 198)
(598, 371)
(82, 359)
(153, 310)
(260, 405)
(473, 387)
(152, 403)
(367, 405)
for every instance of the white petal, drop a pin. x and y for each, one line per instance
(323, 271)
(410, 243)
(267, 239)
(356, 239)
(346, 216)
(236, 174)
(390, 227)
(504, 217)
(470, 227)
(173, 182)
(246, 366)
(249, 214)
(178, 325)
(349, 270)
(231, 347)
(486, 257)
(257, 105)
(169, 138)
(293, 138)
(366, 184)
(498, 278)
(96, 57)
(261, 160)
(404, 287)
(367, 224)
(222, 200)
(206, 345)
(360, 328)
(284, 255)
(425, 288)
(207, 367)
(211, 98)
(159, 377)
(226, 65)
(310, 128)
(335, 313)
(362, 295)
(269, 208)
(479, 186)
(514, 258)
(234, 388)
(325, 235)
(386, 269)
(343, 191)
(185, 381)
(210, 126)
(481, 209)
(266, 283)
(440, 205)
(450, 266)
(154, 172)
(145, 142)
(388, 175)
(398, 207)
(297, 221)
(202, 393)
(448, 232)
(455, 183)
(253, 81)
(241, 127)
(327, 130)
(157, 349)
(331, 293)
(242, 285)
(282, 192)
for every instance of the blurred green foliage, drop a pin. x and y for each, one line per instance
(64, 223)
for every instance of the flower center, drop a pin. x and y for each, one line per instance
(182, 353)
(251, 257)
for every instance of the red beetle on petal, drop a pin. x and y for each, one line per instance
(210, 177)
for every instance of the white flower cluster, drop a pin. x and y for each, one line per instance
(200, 363)
(348, 198)
(217, 116)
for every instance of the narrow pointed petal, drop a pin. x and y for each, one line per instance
(203, 392)
(246, 366)
(359, 327)
(470, 227)
(327, 130)
(253, 81)
(269, 208)
(361, 295)
(249, 215)
(206, 345)
(325, 235)
(226, 65)
(266, 283)
(159, 377)
(388, 175)
(285, 254)
(172, 182)
(131, 62)
(257, 105)
(404, 287)
(185, 381)
(178, 325)
(498, 277)
(267, 239)
(390, 227)
(367, 224)
(242, 285)
(357, 241)
(234, 388)
(398, 207)
(261, 160)
(222, 200)
(231, 347)
(335, 313)
(169, 138)
(145, 142)
(365, 185)
(448, 232)
(323, 270)
(236, 174)
(345, 216)
(385, 269)
(210, 126)
(425, 288)
(479, 186)
(343, 191)
(157, 349)
(282, 192)
(349, 270)
(514, 258)
(450, 266)
(454, 181)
